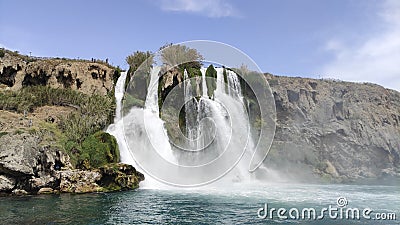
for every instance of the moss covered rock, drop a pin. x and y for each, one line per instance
(119, 176)
(211, 79)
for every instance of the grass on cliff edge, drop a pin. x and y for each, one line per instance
(78, 133)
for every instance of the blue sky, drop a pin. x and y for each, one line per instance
(343, 39)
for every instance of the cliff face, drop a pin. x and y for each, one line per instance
(330, 131)
(52, 143)
(336, 130)
(84, 76)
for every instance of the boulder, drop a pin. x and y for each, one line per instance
(6, 183)
(119, 176)
(79, 181)
(45, 190)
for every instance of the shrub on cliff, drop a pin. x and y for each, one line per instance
(98, 149)
(2, 53)
(211, 77)
(93, 113)
(137, 58)
(99, 108)
(140, 64)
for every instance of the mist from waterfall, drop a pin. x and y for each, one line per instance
(214, 124)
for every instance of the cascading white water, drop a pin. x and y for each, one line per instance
(137, 132)
(212, 128)
(116, 129)
(216, 122)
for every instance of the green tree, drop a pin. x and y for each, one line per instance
(138, 58)
(211, 78)
(140, 63)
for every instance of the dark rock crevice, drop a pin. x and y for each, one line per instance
(41, 78)
(7, 77)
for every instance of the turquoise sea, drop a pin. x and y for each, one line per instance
(231, 204)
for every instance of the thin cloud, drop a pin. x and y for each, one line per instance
(209, 8)
(376, 59)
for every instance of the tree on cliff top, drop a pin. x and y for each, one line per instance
(181, 56)
(137, 58)
(140, 63)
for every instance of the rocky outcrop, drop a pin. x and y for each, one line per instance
(33, 156)
(79, 181)
(27, 167)
(335, 130)
(17, 71)
(111, 177)
(119, 176)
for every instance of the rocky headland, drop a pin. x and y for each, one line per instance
(52, 113)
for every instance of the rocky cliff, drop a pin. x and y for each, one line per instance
(334, 130)
(329, 131)
(17, 71)
(52, 113)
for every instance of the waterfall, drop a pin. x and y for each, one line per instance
(152, 95)
(212, 127)
(119, 94)
(116, 129)
(203, 81)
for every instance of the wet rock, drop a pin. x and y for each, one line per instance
(119, 176)
(45, 190)
(6, 183)
(19, 192)
(79, 181)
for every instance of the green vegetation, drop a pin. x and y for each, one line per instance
(138, 58)
(225, 76)
(99, 149)
(96, 150)
(117, 74)
(175, 59)
(3, 133)
(2, 53)
(28, 58)
(211, 77)
(193, 72)
(130, 101)
(78, 133)
(31, 97)
(140, 64)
